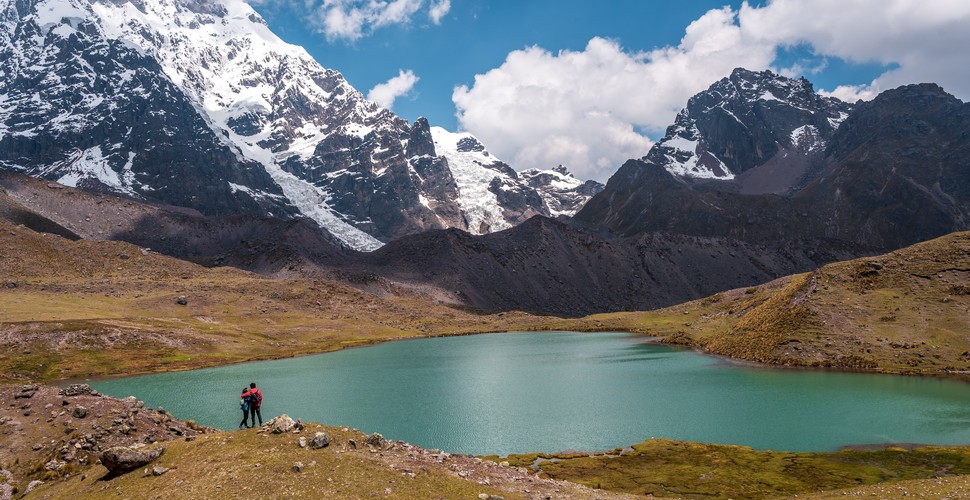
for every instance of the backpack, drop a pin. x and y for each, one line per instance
(255, 398)
(244, 404)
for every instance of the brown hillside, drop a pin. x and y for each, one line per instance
(86, 308)
(903, 312)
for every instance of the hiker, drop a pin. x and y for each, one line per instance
(244, 405)
(255, 401)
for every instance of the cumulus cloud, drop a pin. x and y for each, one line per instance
(351, 20)
(439, 10)
(384, 94)
(593, 109)
(924, 41)
(588, 110)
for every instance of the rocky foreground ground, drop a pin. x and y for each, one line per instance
(74, 442)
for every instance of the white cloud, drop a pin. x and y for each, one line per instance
(585, 108)
(439, 10)
(351, 20)
(384, 94)
(925, 41)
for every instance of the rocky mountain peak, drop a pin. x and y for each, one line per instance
(420, 141)
(249, 123)
(748, 120)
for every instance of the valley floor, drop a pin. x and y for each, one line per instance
(76, 309)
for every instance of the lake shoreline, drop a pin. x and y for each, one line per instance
(572, 379)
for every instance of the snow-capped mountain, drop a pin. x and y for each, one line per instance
(493, 196)
(197, 103)
(746, 121)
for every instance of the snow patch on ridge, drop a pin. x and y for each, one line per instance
(92, 164)
(473, 171)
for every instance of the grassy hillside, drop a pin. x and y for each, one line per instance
(664, 468)
(904, 312)
(87, 308)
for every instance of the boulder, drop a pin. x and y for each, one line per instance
(375, 440)
(120, 459)
(79, 412)
(280, 424)
(319, 440)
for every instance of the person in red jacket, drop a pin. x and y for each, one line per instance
(256, 400)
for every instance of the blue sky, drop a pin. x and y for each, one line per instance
(621, 66)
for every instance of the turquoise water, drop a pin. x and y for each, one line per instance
(525, 392)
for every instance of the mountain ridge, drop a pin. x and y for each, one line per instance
(164, 82)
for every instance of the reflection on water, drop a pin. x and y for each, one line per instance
(510, 393)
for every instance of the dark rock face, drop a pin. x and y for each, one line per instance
(547, 266)
(766, 132)
(119, 460)
(900, 171)
(95, 113)
(893, 174)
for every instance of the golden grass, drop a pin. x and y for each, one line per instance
(663, 467)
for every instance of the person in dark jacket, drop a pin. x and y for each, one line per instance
(244, 404)
(255, 401)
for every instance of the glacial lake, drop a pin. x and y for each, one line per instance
(525, 392)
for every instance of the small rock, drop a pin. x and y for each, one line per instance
(31, 486)
(54, 465)
(190, 438)
(11, 284)
(158, 470)
(182, 300)
(297, 466)
(352, 443)
(319, 440)
(301, 442)
(123, 256)
(79, 412)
